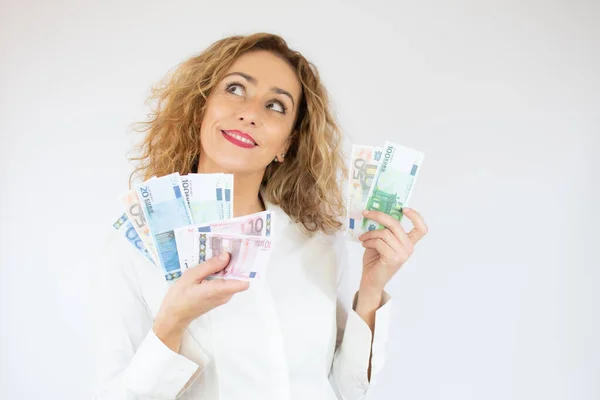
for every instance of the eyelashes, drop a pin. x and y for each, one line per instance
(231, 86)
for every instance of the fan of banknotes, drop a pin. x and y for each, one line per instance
(177, 221)
(381, 179)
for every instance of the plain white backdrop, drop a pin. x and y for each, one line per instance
(500, 301)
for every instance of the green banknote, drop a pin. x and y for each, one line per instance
(393, 183)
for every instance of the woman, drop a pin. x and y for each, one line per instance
(252, 107)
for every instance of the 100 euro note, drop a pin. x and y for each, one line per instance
(364, 163)
(188, 249)
(165, 209)
(136, 217)
(204, 195)
(225, 182)
(124, 226)
(393, 183)
(249, 254)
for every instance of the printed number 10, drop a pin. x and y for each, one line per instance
(256, 226)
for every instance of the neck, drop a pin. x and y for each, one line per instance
(246, 192)
(246, 188)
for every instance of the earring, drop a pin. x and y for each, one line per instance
(276, 159)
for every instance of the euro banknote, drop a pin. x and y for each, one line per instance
(165, 208)
(205, 195)
(226, 181)
(363, 166)
(134, 213)
(393, 183)
(124, 226)
(258, 224)
(249, 254)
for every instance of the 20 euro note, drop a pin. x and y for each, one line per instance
(136, 217)
(204, 194)
(364, 163)
(249, 254)
(165, 209)
(124, 226)
(393, 183)
(188, 249)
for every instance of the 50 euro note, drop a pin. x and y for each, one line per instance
(124, 226)
(165, 209)
(364, 163)
(250, 255)
(393, 183)
(188, 248)
(136, 217)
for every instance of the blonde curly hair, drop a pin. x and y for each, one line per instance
(306, 186)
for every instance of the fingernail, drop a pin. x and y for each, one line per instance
(365, 212)
(223, 256)
(406, 209)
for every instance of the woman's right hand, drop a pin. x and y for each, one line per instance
(192, 296)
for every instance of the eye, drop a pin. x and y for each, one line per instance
(235, 88)
(277, 106)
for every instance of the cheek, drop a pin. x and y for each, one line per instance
(215, 110)
(278, 132)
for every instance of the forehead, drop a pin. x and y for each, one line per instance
(269, 70)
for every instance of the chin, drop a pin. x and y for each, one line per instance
(226, 162)
(227, 157)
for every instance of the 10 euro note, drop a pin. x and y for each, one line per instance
(364, 163)
(249, 258)
(393, 183)
(188, 249)
(165, 209)
(124, 226)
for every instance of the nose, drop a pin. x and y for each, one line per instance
(250, 113)
(243, 119)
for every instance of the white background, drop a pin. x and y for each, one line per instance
(500, 299)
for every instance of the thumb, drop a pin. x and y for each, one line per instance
(209, 267)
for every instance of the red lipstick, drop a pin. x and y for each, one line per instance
(239, 138)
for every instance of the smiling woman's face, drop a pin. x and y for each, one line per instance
(250, 114)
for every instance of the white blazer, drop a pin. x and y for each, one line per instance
(279, 340)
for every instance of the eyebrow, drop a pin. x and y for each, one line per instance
(253, 80)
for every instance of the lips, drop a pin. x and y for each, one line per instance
(239, 138)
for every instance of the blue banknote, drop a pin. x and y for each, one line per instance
(124, 226)
(165, 209)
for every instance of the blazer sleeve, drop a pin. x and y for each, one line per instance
(131, 362)
(354, 343)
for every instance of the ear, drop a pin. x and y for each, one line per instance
(285, 147)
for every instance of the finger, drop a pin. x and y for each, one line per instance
(209, 267)
(390, 223)
(388, 256)
(384, 234)
(420, 228)
(226, 287)
(382, 247)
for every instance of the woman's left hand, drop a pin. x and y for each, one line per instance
(388, 249)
